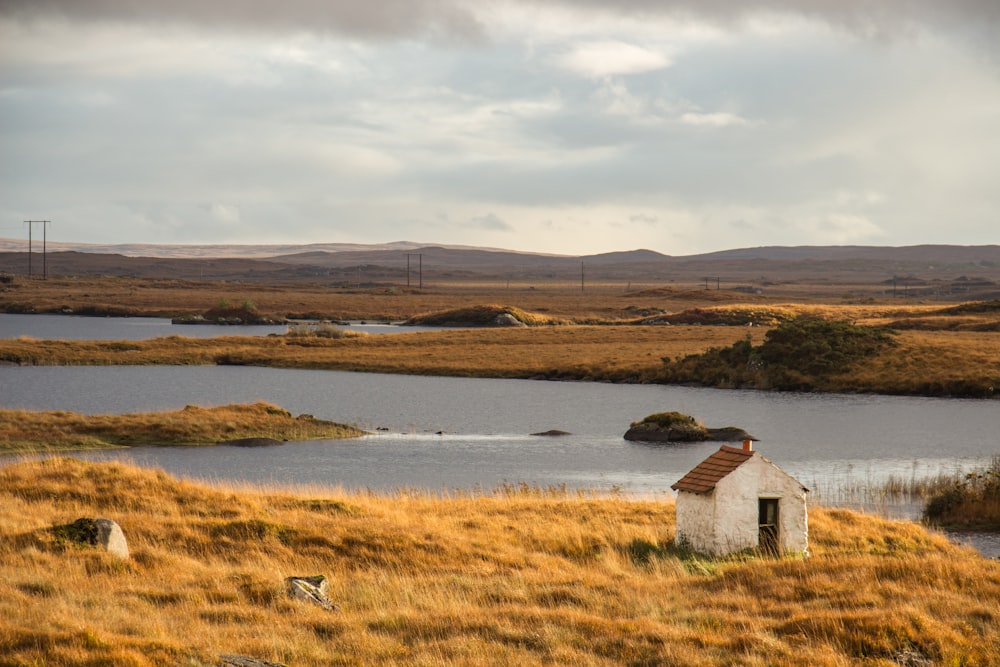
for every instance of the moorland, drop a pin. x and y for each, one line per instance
(626, 317)
(517, 575)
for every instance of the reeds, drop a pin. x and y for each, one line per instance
(971, 500)
(515, 577)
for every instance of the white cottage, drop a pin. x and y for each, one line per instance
(736, 499)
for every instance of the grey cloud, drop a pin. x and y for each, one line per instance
(382, 18)
(491, 222)
(858, 15)
(469, 20)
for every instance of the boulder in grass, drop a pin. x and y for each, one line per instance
(103, 533)
(507, 320)
(312, 589)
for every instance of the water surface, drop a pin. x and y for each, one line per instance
(73, 327)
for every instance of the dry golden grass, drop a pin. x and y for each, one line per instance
(26, 430)
(520, 578)
(171, 298)
(598, 303)
(601, 353)
(931, 363)
(925, 362)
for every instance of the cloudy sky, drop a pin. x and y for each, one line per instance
(565, 126)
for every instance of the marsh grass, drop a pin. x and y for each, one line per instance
(321, 330)
(971, 500)
(26, 430)
(579, 352)
(523, 576)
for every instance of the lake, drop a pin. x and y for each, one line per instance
(461, 432)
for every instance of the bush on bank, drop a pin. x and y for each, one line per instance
(797, 355)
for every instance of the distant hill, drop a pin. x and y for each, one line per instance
(934, 269)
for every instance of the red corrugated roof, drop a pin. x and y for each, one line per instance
(704, 476)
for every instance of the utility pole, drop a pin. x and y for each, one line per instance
(44, 224)
(420, 268)
(581, 276)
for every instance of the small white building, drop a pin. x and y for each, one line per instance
(736, 499)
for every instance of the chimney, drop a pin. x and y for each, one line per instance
(748, 445)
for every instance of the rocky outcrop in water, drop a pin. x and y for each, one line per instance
(678, 427)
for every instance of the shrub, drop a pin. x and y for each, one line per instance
(796, 355)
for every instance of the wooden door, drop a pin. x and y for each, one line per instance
(767, 523)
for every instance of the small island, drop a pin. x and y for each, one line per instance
(240, 424)
(679, 427)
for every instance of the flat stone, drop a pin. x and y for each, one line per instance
(246, 661)
(311, 589)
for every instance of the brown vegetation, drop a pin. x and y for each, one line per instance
(599, 303)
(968, 501)
(26, 430)
(484, 316)
(517, 577)
(933, 363)
(585, 353)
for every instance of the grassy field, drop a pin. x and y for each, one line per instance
(516, 577)
(588, 352)
(25, 430)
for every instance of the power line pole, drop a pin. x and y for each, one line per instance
(45, 224)
(420, 268)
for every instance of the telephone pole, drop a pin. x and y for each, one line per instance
(45, 224)
(420, 268)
